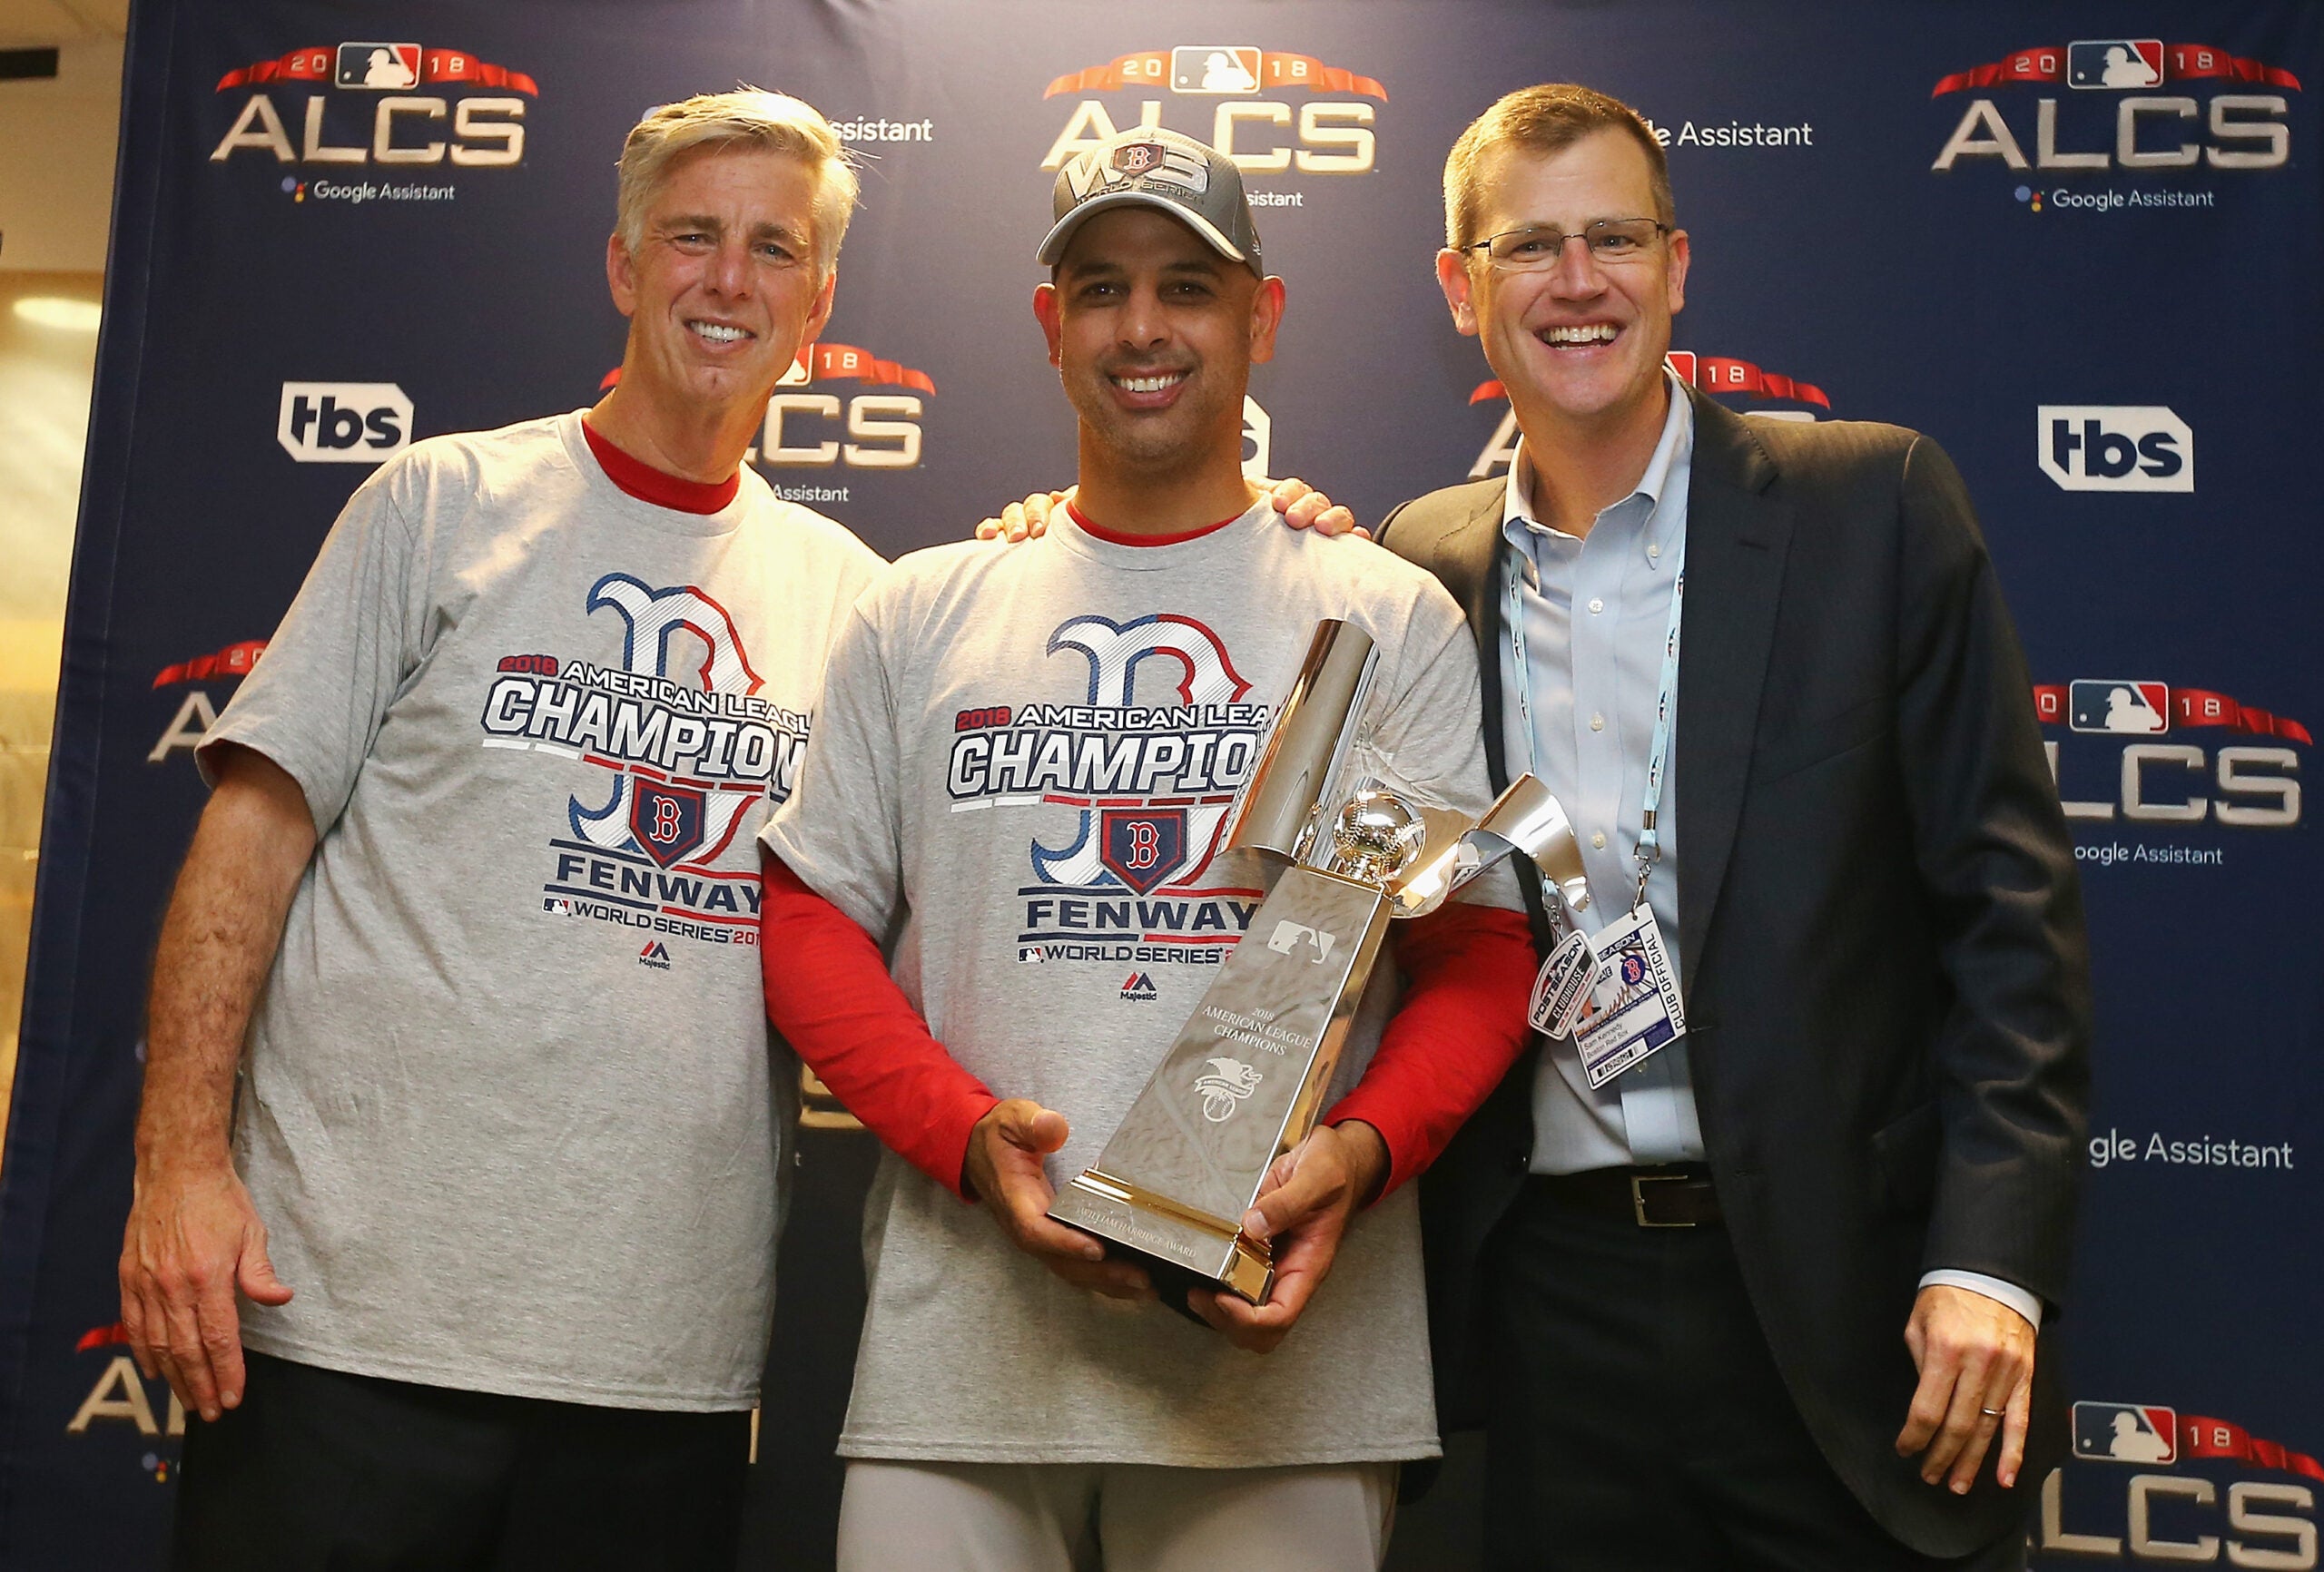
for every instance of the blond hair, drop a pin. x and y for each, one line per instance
(749, 118)
(1546, 119)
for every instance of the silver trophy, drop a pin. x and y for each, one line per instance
(1245, 1078)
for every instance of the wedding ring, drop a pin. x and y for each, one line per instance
(1990, 1413)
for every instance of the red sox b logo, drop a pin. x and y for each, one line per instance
(1147, 840)
(662, 814)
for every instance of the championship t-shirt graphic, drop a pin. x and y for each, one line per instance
(687, 760)
(1150, 784)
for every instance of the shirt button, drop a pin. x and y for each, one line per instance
(1596, 605)
(1599, 840)
(1654, 553)
(1597, 723)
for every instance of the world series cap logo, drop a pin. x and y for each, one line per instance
(1137, 157)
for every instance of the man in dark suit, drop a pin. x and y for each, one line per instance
(1772, 1296)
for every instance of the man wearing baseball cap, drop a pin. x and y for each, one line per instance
(1016, 787)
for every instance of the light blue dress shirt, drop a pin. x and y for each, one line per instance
(1580, 715)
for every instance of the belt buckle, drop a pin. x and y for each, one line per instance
(1637, 1197)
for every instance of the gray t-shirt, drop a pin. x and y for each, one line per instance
(511, 1105)
(1017, 778)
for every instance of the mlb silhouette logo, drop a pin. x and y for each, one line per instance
(2114, 63)
(377, 65)
(668, 823)
(1142, 847)
(2126, 1432)
(1214, 68)
(2118, 705)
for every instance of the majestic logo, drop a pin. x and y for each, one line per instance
(1226, 1088)
(343, 422)
(1290, 938)
(1140, 987)
(2115, 447)
(2126, 1432)
(409, 125)
(655, 955)
(1262, 133)
(2161, 778)
(2241, 129)
(1719, 374)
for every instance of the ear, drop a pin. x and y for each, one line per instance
(1453, 278)
(621, 275)
(1047, 311)
(820, 314)
(1674, 283)
(1267, 316)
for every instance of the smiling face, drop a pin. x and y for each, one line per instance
(1581, 342)
(723, 287)
(1154, 334)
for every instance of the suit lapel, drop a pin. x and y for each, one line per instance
(1738, 535)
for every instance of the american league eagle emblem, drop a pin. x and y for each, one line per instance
(1223, 1090)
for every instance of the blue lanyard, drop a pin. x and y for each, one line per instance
(1649, 839)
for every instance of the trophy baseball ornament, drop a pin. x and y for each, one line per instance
(1245, 1078)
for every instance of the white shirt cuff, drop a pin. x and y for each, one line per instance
(2028, 1305)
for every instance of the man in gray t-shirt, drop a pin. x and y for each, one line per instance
(455, 1019)
(1021, 763)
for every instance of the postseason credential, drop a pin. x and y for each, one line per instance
(1634, 1006)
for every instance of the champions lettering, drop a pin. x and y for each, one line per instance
(636, 719)
(1189, 749)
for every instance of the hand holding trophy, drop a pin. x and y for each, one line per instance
(1244, 1081)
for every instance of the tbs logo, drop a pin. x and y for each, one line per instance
(2115, 447)
(2126, 1432)
(343, 422)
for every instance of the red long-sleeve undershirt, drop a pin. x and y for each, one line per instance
(1462, 1024)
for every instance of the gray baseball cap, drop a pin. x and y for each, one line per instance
(1151, 167)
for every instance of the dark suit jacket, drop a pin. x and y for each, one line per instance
(1883, 953)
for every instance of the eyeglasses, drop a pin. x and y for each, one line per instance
(1536, 247)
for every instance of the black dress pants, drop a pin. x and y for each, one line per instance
(322, 1470)
(1638, 1422)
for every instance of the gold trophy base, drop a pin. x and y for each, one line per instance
(1185, 1248)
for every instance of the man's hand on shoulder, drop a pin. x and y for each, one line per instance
(1003, 1170)
(193, 1239)
(1301, 506)
(1975, 1356)
(1303, 1210)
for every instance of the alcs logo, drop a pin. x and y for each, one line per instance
(1260, 132)
(2115, 447)
(343, 422)
(2256, 786)
(883, 428)
(2151, 130)
(408, 126)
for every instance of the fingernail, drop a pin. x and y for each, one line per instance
(231, 1400)
(210, 1412)
(1254, 1224)
(1959, 1488)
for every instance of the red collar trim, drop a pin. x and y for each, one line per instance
(659, 487)
(1117, 538)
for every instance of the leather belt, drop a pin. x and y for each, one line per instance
(1679, 1195)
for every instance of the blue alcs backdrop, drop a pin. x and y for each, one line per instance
(2077, 244)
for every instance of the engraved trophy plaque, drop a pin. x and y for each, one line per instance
(1244, 1081)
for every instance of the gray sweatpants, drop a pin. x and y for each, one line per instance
(1120, 1516)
